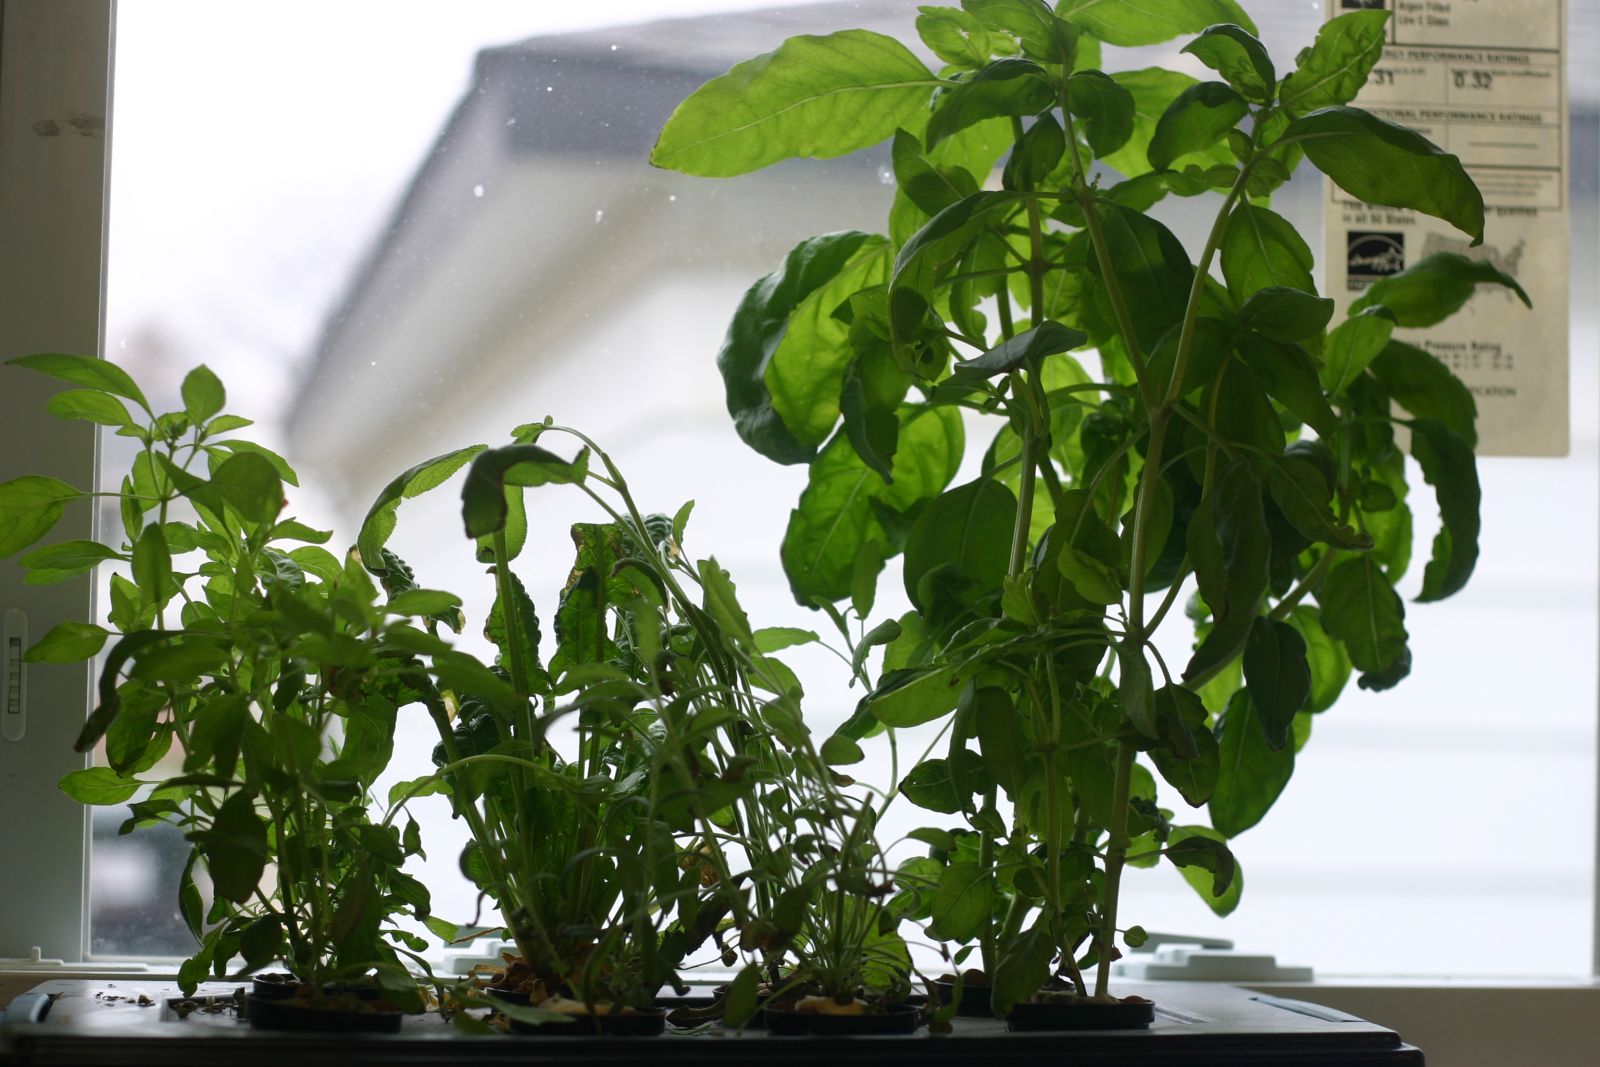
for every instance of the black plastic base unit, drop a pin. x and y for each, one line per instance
(1195, 1025)
(650, 1022)
(975, 1001)
(295, 1015)
(1034, 1016)
(895, 1019)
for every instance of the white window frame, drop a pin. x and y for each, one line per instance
(55, 66)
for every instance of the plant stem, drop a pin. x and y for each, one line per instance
(1116, 855)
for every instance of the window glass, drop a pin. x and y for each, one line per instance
(393, 232)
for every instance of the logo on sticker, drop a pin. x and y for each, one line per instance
(1360, 5)
(1373, 254)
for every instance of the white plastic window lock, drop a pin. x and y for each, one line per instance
(14, 709)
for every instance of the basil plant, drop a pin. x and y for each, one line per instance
(1161, 427)
(247, 690)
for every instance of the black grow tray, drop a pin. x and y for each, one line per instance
(91, 1023)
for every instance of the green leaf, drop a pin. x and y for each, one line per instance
(1285, 314)
(484, 507)
(1026, 349)
(776, 638)
(1289, 375)
(1107, 110)
(86, 371)
(741, 1004)
(1229, 546)
(251, 485)
(999, 732)
(1352, 346)
(1434, 288)
(763, 369)
(235, 848)
(1424, 386)
(90, 405)
(1335, 67)
(1195, 121)
(203, 395)
(954, 36)
(380, 519)
(1253, 773)
(1153, 90)
(67, 642)
(1377, 162)
(721, 602)
(152, 566)
(1209, 855)
(1234, 53)
(1202, 880)
(841, 751)
(1361, 609)
(964, 535)
(839, 519)
(1449, 466)
(1277, 676)
(1244, 414)
(1005, 88)
(1152, 267)
(1041, 34)
(29, 507)
(64, 560)
(1023, 970)
(1136, 22)
(816, 97)
(929, 786)
(915, 696)
(963, 902)
(98, 785)
(1327, 659)
(1193, 776)
(1302, 492)
(1260, 250)
(930, 187)
(424, 602)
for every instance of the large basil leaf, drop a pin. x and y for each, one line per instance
(1351, 346)
(930, 187)
(837, 526)
(815, 97)
(29, 507)
(1434, 288)
(1277, 676)
(1261, 249)
(1136, 22)
(1201, 879)
(1380, 163)
(1361, 608)
(1234, 53)
(1448, 465)
(1153, 90)
(1424, 386)
(801, 296)
(961, 544)
(1335, 67)
(1327, 659)
(1195, 121)
(1287, 372)
(1006, 88)
(1253, 772)
(1150, 265)
(1229, 545)
(1106, 107)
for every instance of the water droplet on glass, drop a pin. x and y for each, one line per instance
(885, 176)
(672, 197)
(613, 48)
(598, 215)
(511, 122)
(477, 190)
(549, 88)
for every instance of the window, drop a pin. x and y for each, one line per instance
(379, 279)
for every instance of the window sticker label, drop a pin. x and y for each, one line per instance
(1484, 79)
